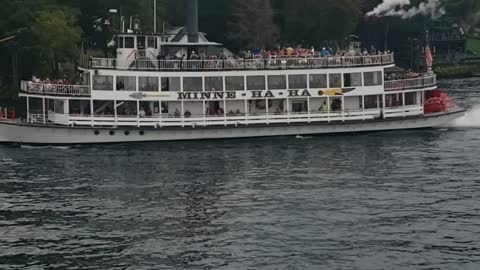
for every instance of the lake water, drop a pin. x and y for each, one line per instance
(387, 200)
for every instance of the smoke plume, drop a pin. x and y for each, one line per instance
(431, 8)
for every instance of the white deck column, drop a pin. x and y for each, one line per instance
(267, 111)
(224, 111)
(308, 109)
(328, 107)
(138, 113)
(383, 106)
(160, 112)
(204, 114)
(182, 108)
(43, 107)
(92, 113)
(246, 111)
(363, 107)
(28, 109)
(288, 107)
(115, 112)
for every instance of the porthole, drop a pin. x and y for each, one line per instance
(112, 132)
(96, 132)
(126, 132)
(141, 133)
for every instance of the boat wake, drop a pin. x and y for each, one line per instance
(302, 137)
(470, 120)
(44, 147)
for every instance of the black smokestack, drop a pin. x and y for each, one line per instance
(192, 20)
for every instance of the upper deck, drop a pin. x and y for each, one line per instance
(231, 64)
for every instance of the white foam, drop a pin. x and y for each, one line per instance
(470, 120)
(44, 147)
(302, 137)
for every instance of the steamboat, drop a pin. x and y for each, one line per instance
(180, 86)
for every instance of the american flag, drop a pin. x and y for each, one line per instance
(428, 56)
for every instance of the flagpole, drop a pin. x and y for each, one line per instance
(428, 53)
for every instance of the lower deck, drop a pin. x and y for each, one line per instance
(118, 113)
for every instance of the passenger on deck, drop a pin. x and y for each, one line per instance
(324, 107)
(142, 112)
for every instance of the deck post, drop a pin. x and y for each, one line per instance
(328, 107)
(115, 112)
(138, 113)
(92, 113)
(383, 106)
(204, 114)
(308, 109)
(28, 109)
(363, 107)
(267, 111)
(43, 108)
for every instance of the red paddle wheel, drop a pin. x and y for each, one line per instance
(437, 101)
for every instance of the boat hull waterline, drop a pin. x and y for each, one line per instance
(40, 134)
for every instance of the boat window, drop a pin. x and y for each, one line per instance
(192, 84)
(129, 42)
(164, 107)
(104, 107)
(335, 80)
(411, 98)
(141, 42)
(318, 81)
(79, 107)
(352, 79)
(235, 83)
(148, 108)
(152, 42)
(255, 82)
(213, 84)
(58, 106)
(372, 78)
(171, 84)
(101, 82)
(148, 84)
(300, 106)
(127, 108)
(371, 102)
(393, 100)
(126, 83)
(297, 81)
(277, 82)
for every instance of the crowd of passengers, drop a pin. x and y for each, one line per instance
(64, 81)
(288, 52)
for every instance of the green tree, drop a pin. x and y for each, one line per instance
(252, 24)
(55, 38)
(314, 22)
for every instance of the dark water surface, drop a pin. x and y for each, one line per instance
(389, 200)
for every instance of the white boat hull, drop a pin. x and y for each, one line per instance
(39, 134)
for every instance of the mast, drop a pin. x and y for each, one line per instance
(154, 16)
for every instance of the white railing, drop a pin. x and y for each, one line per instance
(243, 119)
(246, 64)
(55, 89)
(421, 82)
